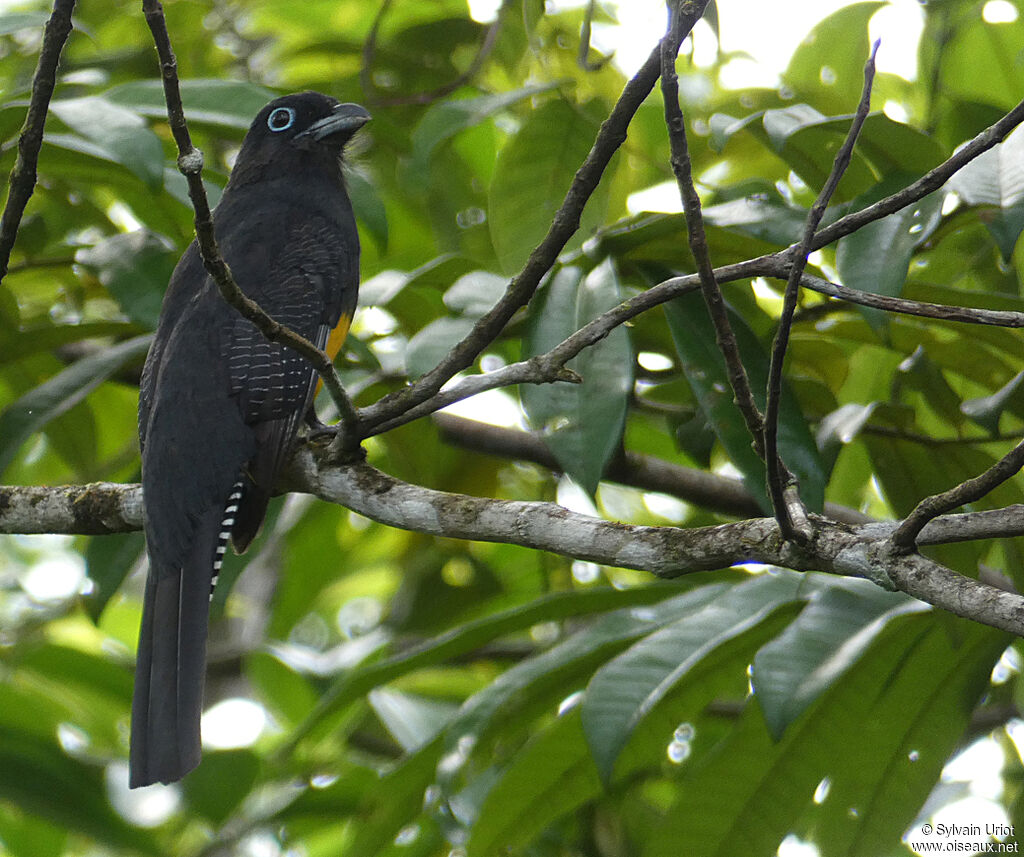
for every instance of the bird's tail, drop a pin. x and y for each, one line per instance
(170, 669)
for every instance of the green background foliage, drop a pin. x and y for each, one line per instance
(430, 696)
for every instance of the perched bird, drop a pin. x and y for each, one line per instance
(219, 405)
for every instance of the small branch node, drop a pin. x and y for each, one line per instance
(191, 163)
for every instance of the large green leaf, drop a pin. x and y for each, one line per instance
(532, 174)
(808, 141)
(551, 776)
(994, 180)
(876, 257)
(135, 267)
(39, 778)
(62, 392)
(626, 689)
(108, 561)
(546, 678)
(704, 367)
(225, 103)
(118, 132)
(826, 639)
(903, 704)
(447, 118)
(828, 66)
(580, 423)
(471, 635)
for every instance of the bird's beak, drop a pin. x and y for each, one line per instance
(344, 120)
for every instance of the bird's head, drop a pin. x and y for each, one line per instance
(306, 129)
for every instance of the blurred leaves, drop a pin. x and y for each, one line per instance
(430, 696)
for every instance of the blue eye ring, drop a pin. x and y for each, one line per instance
(281, 119)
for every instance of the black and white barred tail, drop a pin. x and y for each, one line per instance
(227, 522)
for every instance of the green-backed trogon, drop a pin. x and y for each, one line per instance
(219, 405)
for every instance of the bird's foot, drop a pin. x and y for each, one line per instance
(318, 429)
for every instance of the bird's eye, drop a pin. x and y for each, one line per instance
(281, 119)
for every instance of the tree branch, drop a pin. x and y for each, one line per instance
(929, 182)
(782, 488)
(23, 175)
(724, 336)
(636, 470)
(668, 552)
(969, 491)
(190, 163)
(565, 223)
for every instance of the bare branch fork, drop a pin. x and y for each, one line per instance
(782, 488)
(853, 549)
(725, 338)
(190, 163)
(564, 224)
(668, 552)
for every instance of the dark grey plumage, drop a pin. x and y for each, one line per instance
(219, 406)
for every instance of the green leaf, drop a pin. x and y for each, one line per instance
(135, 268)
(475, 293)
(17, 344)
(919, 373)
(808, 141)
(28, 836)
(624, 691)
(979, 61)
(987, 410)
(118, 133)
(876, 257)
(61, 393)
(108, 561)
(12, 22)
(400, 795)
(288, 696)
(427, 348)
(994, 180)
(471, 635)
(533, 173)
(551, 776)
(839, 428)
(580, 423)
(38, 777)
(557, 671)
(412, 720)
(840, 622)
(224, 103)
(446, 119)
(827, 69)
(905, 702)
(763, 215)
(704, 367)
(217, 787)
(369, 207)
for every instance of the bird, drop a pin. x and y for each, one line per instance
(220, 406)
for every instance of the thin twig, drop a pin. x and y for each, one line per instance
(190, 163)
(564, 224)
(23, 176)
(725, 338)
(583, 57)
(779, 481)
(929, 182)
(905, 538)
(921, 309)
(546, 368)
(373, 97)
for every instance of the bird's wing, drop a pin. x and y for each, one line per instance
(308, 287)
